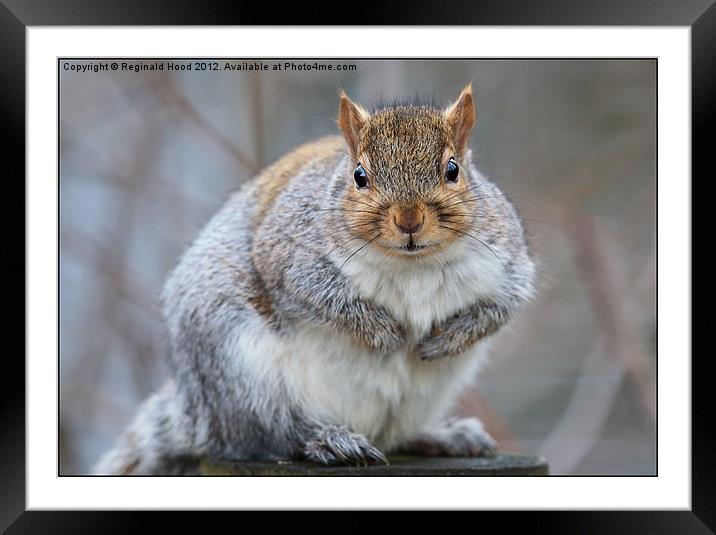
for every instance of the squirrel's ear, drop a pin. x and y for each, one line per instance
(461, 117)
(351, 118)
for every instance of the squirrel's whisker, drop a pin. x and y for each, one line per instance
(455, 194)
(356, 225)
(474, 238)
(366, 244)
(472, 199)
(351, 238)
(339, 210)
(476, 216)
(376, 206)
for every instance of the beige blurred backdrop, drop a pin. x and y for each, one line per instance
(146, 158)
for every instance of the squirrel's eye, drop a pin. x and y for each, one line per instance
(451, 171)
(360, 177)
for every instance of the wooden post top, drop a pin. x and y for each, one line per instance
(504, 464)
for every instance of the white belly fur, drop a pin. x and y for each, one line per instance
(387, 398)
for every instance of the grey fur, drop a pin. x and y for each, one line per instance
(463, 330)
(463, 437)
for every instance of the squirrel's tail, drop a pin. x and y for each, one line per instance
(157, 441)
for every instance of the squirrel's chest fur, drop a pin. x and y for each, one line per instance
(424, 292)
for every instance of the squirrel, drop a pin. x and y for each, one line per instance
(338, 303)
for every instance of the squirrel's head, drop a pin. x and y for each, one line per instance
(410, 193)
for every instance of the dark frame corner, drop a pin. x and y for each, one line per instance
(16, 15)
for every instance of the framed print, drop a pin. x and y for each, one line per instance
(256, 252)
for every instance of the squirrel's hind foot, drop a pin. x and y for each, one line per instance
(338, 445)
(463, 437)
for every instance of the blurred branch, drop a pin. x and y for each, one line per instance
(586, 414)
(112, 261)
(90, 250)
(622, 340)
(591, 402)
(113, 274)
(167, 90)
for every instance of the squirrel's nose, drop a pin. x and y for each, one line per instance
(409, 222)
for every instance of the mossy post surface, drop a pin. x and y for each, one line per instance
(504, 464)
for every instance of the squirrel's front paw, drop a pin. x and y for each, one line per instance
(464, 437)
(430, 348)
(435, 346)
(338, 445)
(379, 330)
(444, 342)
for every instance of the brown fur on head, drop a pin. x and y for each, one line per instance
(408, 207)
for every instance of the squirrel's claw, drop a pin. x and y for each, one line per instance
(338, 445)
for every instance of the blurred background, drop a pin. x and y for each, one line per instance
(146, 158)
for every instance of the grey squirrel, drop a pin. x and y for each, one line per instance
(338, 303)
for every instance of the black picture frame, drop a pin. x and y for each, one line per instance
(16, 15)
